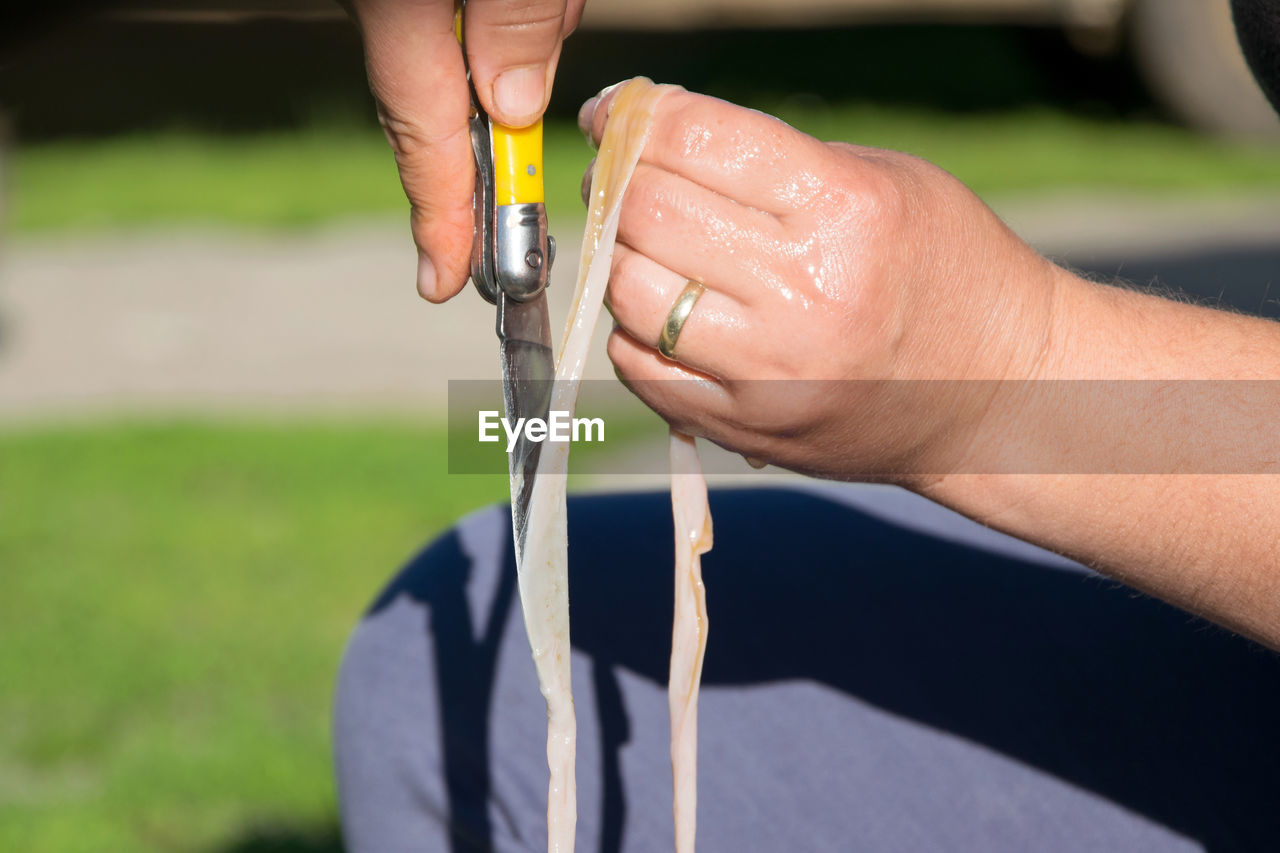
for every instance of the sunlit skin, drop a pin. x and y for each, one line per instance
(817, 266)
(833, 261)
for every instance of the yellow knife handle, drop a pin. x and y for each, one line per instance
(512, 253)
(522, 250)
(517, 164)
(517, 152)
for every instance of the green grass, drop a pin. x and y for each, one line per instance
(1044, 150)
(276, 180)
(175, 599)
(328, 173)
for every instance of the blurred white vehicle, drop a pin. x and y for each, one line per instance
(1186, 49)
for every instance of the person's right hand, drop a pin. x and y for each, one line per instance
(418, 78)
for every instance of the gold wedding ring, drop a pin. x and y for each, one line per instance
(677, 316)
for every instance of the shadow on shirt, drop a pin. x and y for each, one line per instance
(1058, 669)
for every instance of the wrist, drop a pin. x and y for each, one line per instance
(1019, 338)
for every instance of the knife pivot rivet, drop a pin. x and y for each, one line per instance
(530, 170)
(533, 259)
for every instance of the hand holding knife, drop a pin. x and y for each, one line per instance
(510, 262)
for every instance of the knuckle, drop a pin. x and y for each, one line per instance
(617, 350)
(682, 128)
(885, 195)
(410, 141)
(770, 407)
(874, 195)
(528, 16)
(758, 412)
(624, 286)
(868, 184)
(446, 238)
(417, 158)
(683, 410)
(648, 201)
(587, 177)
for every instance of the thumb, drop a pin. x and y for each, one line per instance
(513, 48)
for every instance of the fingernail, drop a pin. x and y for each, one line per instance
(587, 177)
(604, 93)
(587, 114)
(517, 93)
(584, 118)
(426, 276)
(617, 371)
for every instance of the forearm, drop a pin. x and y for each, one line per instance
(1174, 494)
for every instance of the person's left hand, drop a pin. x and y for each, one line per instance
(828, 262)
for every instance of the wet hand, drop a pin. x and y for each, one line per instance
(832, 272)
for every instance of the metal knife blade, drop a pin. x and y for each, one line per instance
(528, 368)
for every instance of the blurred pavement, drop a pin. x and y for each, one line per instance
(202, 321)
(220, 320)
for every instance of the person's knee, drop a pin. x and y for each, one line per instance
(381, 718)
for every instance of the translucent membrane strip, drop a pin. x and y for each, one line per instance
(692, 516)
(543, 561)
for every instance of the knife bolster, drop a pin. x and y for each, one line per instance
(523, 252)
